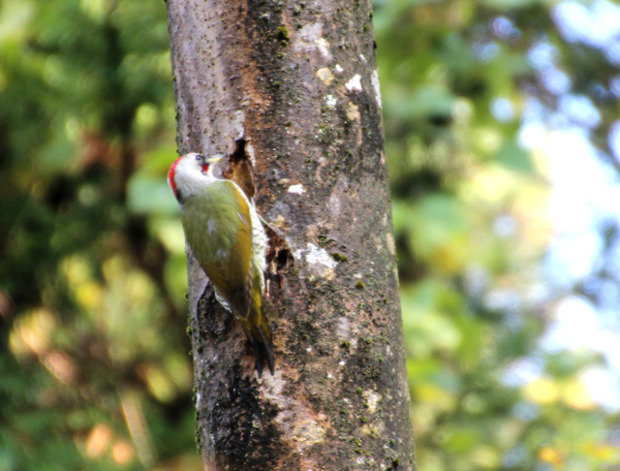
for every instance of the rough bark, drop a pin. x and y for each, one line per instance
(296, 82)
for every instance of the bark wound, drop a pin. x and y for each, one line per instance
(297, 81)
(240, 168)
(279, 256)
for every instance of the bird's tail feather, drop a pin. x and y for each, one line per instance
(258, 332)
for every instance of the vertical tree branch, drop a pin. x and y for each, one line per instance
(297, 81)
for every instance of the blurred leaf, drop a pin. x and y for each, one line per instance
(439, 228)
(513, 157)
(149, 195)
(427, 310)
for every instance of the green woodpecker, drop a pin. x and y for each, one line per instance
(225, 234)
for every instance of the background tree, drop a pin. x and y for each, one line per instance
(96, 373)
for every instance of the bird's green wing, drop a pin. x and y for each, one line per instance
(218, 228)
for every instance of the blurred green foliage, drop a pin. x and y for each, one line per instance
(472, 226)
(96, 373)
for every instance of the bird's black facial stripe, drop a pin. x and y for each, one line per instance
(179, 196)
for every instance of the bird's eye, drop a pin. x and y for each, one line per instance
(198, 157)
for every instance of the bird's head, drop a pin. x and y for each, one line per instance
(190, 173)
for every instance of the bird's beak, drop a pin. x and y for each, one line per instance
(211, 162)
(215, 159)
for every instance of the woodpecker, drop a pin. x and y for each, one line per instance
(225, 234)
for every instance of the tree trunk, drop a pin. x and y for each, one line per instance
(293, 87)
